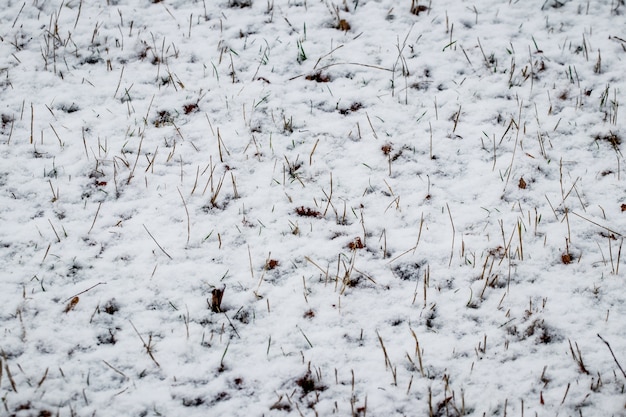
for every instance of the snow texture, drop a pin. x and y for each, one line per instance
(305, 207)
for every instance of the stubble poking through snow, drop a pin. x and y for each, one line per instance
(283, 207)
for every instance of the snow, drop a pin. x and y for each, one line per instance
(421, 215)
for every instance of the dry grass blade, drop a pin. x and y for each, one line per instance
(115, 369)
(95, 218)
(84, 291)
(232, 325)
(305, 337)
(612, 354)
(418, 351)
(186, 212)
(416, 8)
(216, 299)
(6, 368)
(10, 376)
(43, 378)
(578, 357)
(382, 345)
(148, 345)
(519, 124)
(157, 243)
(132, 172)
(453, 235)
(597, 224)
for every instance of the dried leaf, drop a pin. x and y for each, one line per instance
(522, 184)
(70, 306)
(271, 264)
(307, 212)
(356, 244)
(216, 300)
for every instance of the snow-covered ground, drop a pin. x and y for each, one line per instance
(305, 207)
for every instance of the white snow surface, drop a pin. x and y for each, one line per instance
(419, 215)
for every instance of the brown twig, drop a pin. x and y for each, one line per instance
(613, 354)
(157, 243)
(82, 292)
(147, 346)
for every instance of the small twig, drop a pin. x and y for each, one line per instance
(324, 56)
(118, 84)
(32, 122)
(132, 172)
(147, 346)
(565, 395)
(453, 233)
(306, 338)
(43, 378)
(80, 6)
(115, 369)
(54, 230)
(345, 63)
(312, 151)
(6, 368)
(250, 261)
(330, 196)
(20, 12)
(487, 63)
(224, 355)
(578, 358)
(231, 324)
(371, 126)
(597, 224)
(186, 211)
(95, 217)
(84, 291)
(157, 243)
(56, 134)
(519, 122)
(613, 354)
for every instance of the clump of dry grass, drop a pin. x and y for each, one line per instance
(271, 264)
(319, 77)
(357, 243)
(611, 138)
(239, 3)
(191, 108)
(216, 299)
(163, 118)
(417, 8)
(307, 212)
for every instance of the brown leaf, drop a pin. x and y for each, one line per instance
(566, 258)
(623, 207)
(271, 264)
(70, 306)
(189, 108)
(522, 184)
(417, 9)
(318, 77)
(216, 299)
(307, 212)
(356, 244)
